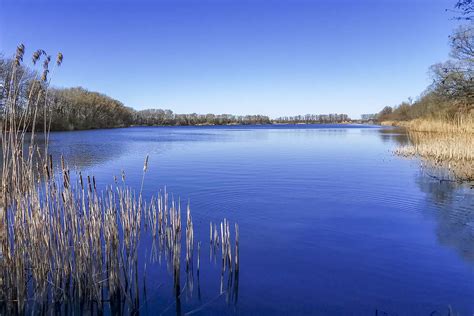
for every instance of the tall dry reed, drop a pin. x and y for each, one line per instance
(453, 151)
(461, 125)
(65, 244)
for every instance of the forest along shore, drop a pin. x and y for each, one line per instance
(440, 123)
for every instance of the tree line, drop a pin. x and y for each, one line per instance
(79, 109)
(313, 119)
(450, 97)
(167, 117)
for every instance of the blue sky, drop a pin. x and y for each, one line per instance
(242, 57)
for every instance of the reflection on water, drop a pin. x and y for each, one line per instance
(448, 152)
(83, 149)
(97, 147)
(453, 212)
(454, 202)
(394, 135)
(331, 221)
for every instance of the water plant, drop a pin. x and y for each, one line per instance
(65, 245)
(452, 151)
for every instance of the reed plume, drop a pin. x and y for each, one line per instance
(65, 243)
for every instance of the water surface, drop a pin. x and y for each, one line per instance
(331, 222)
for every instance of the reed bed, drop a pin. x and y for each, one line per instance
(460, 125)
(441, 144)
(453, 151)
(65, 245)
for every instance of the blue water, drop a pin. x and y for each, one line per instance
(331, 222)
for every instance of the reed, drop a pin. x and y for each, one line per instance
(460, 125)
(451, 151)
(441, 144)
(63, 242)
(231, 287)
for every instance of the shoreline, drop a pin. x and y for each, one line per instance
(208, 125)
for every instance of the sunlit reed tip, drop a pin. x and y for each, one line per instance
(36, 56)
(44, 76)
(59, 59)
(20, 51)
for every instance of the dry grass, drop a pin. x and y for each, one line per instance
(454, 152)
(440, 147)
(441, 144)
(463, 125)
(63, 241)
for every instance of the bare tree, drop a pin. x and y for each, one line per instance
(462, 44)
(465, 10)
(455, 78)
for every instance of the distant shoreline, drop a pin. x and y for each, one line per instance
(205, 125)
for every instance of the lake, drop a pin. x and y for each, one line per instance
(331, 222)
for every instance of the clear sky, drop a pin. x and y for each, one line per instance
(242, 57)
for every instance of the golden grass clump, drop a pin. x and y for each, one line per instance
(451, 150)
(63, 242)
(445, 144)
(463, 124)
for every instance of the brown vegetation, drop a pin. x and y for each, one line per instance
(453, 151)
(440, 123)
(444, 144)
(77, 108)
(462, 126)
(65, 245)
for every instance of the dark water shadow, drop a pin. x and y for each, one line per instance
(394, 135)
(454, 213)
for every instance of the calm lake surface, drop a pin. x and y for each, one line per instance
(331, 222)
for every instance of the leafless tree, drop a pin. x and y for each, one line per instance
(464, 10)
